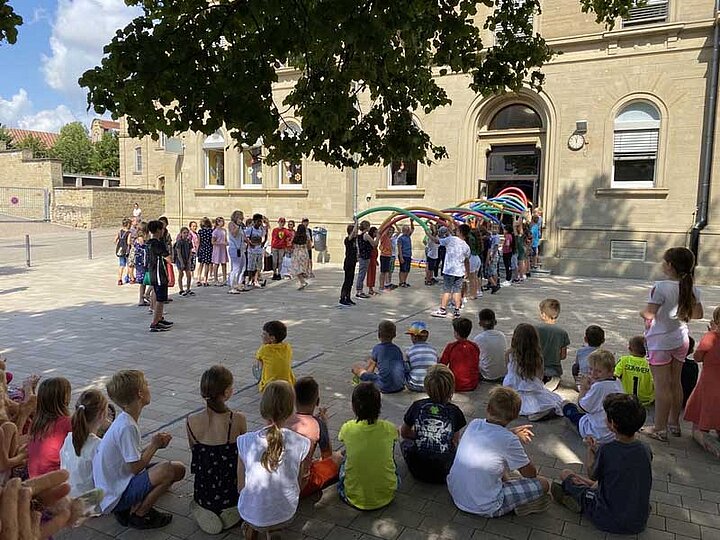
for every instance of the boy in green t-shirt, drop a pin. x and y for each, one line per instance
(634, 372)
(554, 342)
(368, 479)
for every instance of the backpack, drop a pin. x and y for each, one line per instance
(121, 248)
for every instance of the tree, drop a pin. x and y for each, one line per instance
(9, 21)
(106, 155)
(31, 142)
(363, 67)
(73, 147)
(5, 136)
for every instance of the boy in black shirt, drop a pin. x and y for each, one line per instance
(351, 259)
(616, 497)
(158, 256)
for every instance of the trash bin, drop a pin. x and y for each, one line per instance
(319, 238)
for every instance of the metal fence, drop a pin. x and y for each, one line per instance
(39, 249)
(23, 203)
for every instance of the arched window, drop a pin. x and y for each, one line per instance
(251, 166)
(635, 145)
(517, 116)
(214, 150)
(138, 160)
(291, 174)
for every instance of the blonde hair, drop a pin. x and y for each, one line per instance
(439, 383)
(504, 404)
(125, 386)
(90, 405)
(551, 308)
(602, 359)
(276, 406)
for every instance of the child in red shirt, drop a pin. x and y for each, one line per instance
(463, 357)
(50, 426)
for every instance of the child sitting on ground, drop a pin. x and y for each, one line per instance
(79, 448)
(703, 407)
(368, 479)
(479, 480)
(271, 462)
(554, 342)
(212, 436)
(462, 356)
(431, 428)
(634, 372)
(594, 338)
(616, 496)
(275, 355)
(592, 423)
(420, 356)
(121, 466)
(492, 344)
(324, 471)
(524, 372)
(386, 365)
(50, 426)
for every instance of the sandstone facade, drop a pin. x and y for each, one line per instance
(95, 207)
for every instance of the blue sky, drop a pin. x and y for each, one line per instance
(58, 41)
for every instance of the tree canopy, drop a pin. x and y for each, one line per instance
(362, 69)
(105, 159)
(9, 22)
(74, 149)
(31, 142)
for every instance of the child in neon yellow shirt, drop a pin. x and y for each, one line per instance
(634, 372)
(275, 355)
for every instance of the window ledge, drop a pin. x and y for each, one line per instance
(251, 192)
(407, 193)
(632, 193)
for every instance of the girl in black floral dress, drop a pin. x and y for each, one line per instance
(205, 250)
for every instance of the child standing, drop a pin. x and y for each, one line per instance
(420, 356)
(690, 372)
(158, 257)
(122, 249)
(404, 244)
(184, 261)
(479, 482)
(703, 407)
(593, 389)
(672, 303)
(324, 471)
(79, 448)
(368, 479)
(554, 342)
(275, 355)
(524, 369)
(219, 253)
(141, 261)
(616, 496)
(634, 372)
(393, 256)
(385, 248)
(205, 251)
(365, 245)
(271, 462)
(349, 264)
(431, 428)
(432, 245)
(50, 426)
(386, 365)
(594, 338)
(212, 436)
(121, 467)
(492, 344)
(372, 268)
(462, 356)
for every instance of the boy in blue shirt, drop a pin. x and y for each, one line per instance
(594, 338)
(405, 252)
(386, 365)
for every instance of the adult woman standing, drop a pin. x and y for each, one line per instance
(300, 265)
(672, 303)
(236, 249)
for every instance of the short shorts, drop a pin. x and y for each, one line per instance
(385, 261)
(662, 358)
(452, 284)
(135, 492)
(255, 260)
(122, 261)
(518, 492)
(474, 263)
(161, 292)
(405, 265)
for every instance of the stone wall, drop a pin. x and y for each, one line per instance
(19, 169)
(95, 207)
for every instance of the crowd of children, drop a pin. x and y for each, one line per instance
(483, 463)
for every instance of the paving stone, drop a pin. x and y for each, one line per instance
(709, 507)
(708, 533)
(580, 532)
(377, 526)
(654, 534)
(673, 511)
(504, 527)
(682, 527)
(440, 526)
(703, 518)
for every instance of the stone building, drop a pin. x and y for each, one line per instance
(98, 127)
(611, 149)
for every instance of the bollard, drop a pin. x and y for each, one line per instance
(90, 253)
(27, 250)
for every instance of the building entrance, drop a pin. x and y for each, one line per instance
(512, 165)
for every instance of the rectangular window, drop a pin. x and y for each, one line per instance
(498, 34)
(635, 158)
(251, 173)
(652, 12)
(138, 160)
(162, 140)
(215, 168)
(291, 174)
(403, 174)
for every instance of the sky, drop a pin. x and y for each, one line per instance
(58, 41)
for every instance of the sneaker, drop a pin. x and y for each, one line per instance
(159, 328)
(182, 293)
(230, 517)
(189, 293)
(560, 497)
(208, 521)
(464, 302)
(456, 314)
(152, 520)
(165, 322)
(351, 302)
(495, 289)
(361, 295)
(553, 383)
(506, 283)
(345, 303)
(276, 277)
(534, 507)
(440, 313)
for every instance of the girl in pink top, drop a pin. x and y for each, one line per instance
(219, 254)
(50, 427)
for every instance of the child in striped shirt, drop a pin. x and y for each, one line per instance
(419, 356)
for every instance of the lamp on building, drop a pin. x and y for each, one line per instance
(581, 126)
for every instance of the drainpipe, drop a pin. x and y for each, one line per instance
(703, 198)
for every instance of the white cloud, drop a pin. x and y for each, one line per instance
(18, 112)
(79, 32)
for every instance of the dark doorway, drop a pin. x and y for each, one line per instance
(512, 165)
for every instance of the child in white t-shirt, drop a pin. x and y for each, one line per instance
(593, 390)
(479, 482)
(80, 445)
(271, 463)
(492, 345)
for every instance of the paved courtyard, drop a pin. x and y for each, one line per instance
(69, 318)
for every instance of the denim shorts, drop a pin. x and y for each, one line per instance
(135, 492)
(452, 284)
(122, 261)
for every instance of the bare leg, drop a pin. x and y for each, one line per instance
(677, 393)
(664, 394)
(162, 476)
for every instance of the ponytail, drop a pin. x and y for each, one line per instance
(686, 298)
(89, 407)
(275, 446)
(276, 406)
(682, 262)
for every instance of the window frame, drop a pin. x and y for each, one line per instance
(281, 163)
(214, 143)
(634, 23)
(405, 187)
(138, 161)
(636, 127)
(243, 173)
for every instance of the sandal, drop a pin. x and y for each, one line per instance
(651, 432)
(675, 431)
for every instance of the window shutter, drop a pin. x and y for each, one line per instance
(636, 143)
(654, 11)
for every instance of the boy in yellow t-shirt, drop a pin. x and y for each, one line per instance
(634, 372)
(368, 479)
(274, 355)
